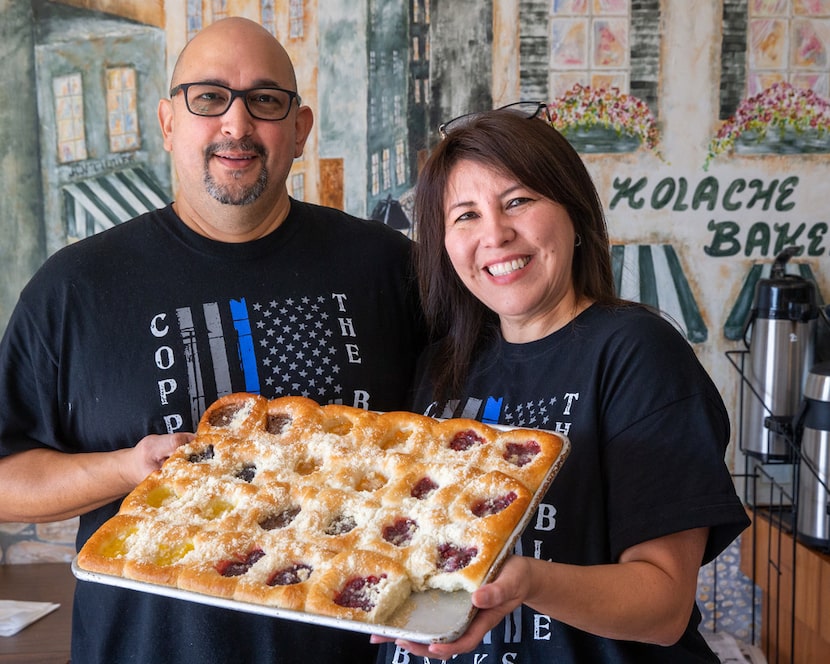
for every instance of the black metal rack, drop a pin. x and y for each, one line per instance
(780, 512)
(779, 506)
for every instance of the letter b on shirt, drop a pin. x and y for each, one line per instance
(546, 517)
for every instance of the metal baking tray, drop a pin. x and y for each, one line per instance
(433, 616)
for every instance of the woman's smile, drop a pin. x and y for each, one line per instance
(507, 267)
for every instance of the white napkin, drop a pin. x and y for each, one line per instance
(15, 615)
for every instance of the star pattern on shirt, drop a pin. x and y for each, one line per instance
(294, 343)
(533, 414)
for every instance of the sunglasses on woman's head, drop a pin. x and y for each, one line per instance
(528, 109)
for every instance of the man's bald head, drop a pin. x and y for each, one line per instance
(226, 37)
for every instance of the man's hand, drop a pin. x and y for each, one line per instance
(150, 453)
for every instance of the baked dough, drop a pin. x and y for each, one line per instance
(329, 510)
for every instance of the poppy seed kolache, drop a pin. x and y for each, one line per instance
(329, 510)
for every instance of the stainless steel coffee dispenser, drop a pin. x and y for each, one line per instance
(782, 323)
(812, 425)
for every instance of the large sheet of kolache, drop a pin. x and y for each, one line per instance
(375, 522)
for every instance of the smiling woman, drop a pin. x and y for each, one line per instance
(525, 171)
(515, 272)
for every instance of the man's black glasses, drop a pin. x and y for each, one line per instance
(211, 99)
(529, 109)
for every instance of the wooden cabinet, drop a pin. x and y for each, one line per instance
(795, 584)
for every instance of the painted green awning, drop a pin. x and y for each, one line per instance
(734, 327)
(652, 274)
(97, 203)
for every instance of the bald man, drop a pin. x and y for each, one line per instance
(120, 341)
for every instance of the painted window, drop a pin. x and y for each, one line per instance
(204, 12)
(397, 64)
(375, 174)
(194, 18)
(267, 16)
(788, 40)
(387, 169)
(374, 119)
(219, 9)
(400, 162)
(69, 115)
(398, 114)
(298, 186)
(296, 16)
(385, 110)
(589, 44)
(420, 12)
(122, 115)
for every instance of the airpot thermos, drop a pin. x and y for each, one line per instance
(813, 425)
(781, 352)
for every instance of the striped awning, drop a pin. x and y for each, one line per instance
(651, 274)
(98, 203)
(734, 327)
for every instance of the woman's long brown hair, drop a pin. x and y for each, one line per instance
(538, 156)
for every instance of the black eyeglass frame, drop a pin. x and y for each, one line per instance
(243, 94)
(444, 128)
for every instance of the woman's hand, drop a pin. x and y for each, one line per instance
(647, 596)
(494, 601)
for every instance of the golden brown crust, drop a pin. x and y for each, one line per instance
(148, 497)
(233, 414)
(404, 432)
(325, 509)
(360, 585)
(337, 518)
(461, 441)
(165, 555)
(221, 559)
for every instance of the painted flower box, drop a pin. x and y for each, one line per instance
(598, 139)
(604, 120)
(782, 119)
(783, 140)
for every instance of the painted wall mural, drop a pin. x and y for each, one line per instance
(705, 123)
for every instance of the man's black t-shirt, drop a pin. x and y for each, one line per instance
(138, 329)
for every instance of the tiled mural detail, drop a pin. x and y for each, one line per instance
(589, 44)
(788, 40)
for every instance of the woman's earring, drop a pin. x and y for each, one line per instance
(578, 242)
